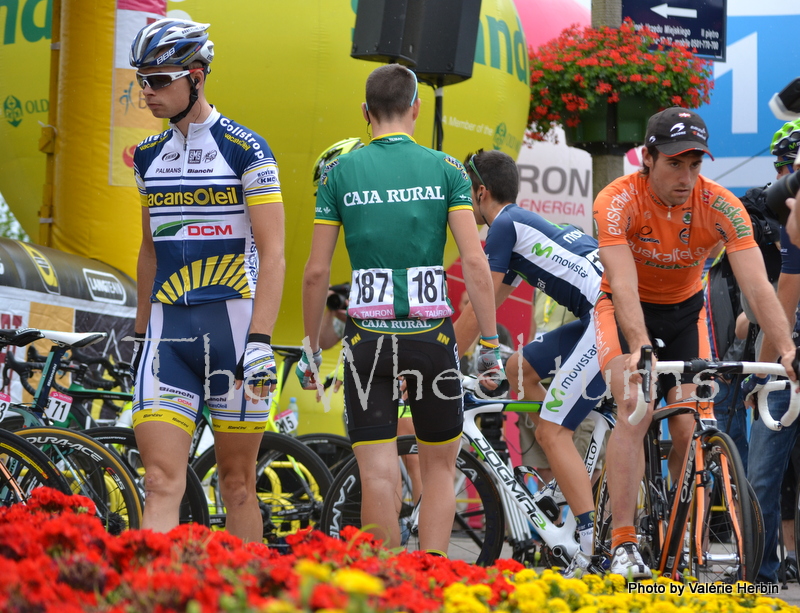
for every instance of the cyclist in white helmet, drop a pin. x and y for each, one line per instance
(213, 223)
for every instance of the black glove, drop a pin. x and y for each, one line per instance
(138, 345)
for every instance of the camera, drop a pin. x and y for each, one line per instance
(785, 104)
(340, 297)
(778, 192)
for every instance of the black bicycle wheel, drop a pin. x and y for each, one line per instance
(728, 545)
(194, 508)
(479, 523)
(650, 518)
(334, 449)
(23, 468)
(93, 471)
(291, 483)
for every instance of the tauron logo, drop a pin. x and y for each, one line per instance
(12, 109)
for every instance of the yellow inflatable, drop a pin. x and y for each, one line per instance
(281, 68)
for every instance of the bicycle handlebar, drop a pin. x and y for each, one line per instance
(763, 407)
(727, 368)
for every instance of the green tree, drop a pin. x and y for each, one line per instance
(9, 226)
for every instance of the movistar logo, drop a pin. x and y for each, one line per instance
(554, 404)
(538, 250)
(172, 228)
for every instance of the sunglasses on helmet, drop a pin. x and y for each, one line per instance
(159, 80)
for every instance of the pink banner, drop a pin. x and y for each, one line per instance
(146, 6)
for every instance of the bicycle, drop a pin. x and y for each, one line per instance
(708, 524)
(89, 467)
(23, 468)
(490, 495)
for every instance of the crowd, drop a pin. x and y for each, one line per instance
(641, 282)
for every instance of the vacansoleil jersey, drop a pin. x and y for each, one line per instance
(393, 198)
(561, 261)
(198, 189)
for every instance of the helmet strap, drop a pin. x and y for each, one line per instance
(192, 100)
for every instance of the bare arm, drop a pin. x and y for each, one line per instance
(466, 326)
(268, 233)
(788, 297)
(793, 223)
(620, 269)
(477, 275)
(748, 267)
(145, 274)
(316, 280)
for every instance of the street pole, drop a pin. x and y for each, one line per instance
(606, 167)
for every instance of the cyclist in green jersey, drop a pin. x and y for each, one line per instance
(395, 200)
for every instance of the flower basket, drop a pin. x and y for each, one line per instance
(602, 84)
(612, 128)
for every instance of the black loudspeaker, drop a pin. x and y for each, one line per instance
(447, 37)
(387, 31)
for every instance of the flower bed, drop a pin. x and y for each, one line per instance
(55, 557)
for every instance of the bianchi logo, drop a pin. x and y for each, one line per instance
(12, 110)
(104, 287)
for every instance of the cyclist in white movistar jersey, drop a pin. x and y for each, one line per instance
(212, 221)
(562, 262)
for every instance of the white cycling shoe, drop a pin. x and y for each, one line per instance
(628, 562)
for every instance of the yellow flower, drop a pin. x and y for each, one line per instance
(557, 605)
(528, 597)
(526, 575)
(309, 568)
(354, 581)
(280, 606)
(459, 598)
(661, 607)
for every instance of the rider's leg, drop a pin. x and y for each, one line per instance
(237, 455)
(438, 507)
(380, 472)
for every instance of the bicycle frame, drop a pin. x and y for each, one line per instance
(693, 477)
(520, 505)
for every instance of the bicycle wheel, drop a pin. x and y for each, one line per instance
(650, 520)
(479, 523)
(723, 543)
(334, 449)
(23, 468)
(93, 471)
(194, 508)
(291, 483)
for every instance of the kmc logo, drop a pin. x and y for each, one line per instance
(12, 109)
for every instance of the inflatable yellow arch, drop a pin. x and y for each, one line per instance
(281, 68)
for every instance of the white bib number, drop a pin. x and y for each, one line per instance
(372, 294)
(58, 406)
(427, 293)
(286, 421)
(5, 402)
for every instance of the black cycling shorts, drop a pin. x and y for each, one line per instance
(429, 363)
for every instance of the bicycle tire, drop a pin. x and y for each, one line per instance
(94, 471)
(479, 523)
(334, 449)
(650, 518)
(726, 557)
(23, 468)
(194, 508)
(292, 482)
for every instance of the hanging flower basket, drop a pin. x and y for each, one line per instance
(602, 84)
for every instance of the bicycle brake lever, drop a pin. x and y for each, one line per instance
(645, 368)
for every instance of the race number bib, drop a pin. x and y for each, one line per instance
(372, 294)
(5, 402)
(427, 293)
(286, 422)
(58, 406)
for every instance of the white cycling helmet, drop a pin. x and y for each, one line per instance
(171, 42)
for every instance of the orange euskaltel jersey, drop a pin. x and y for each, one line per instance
(669, 245)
